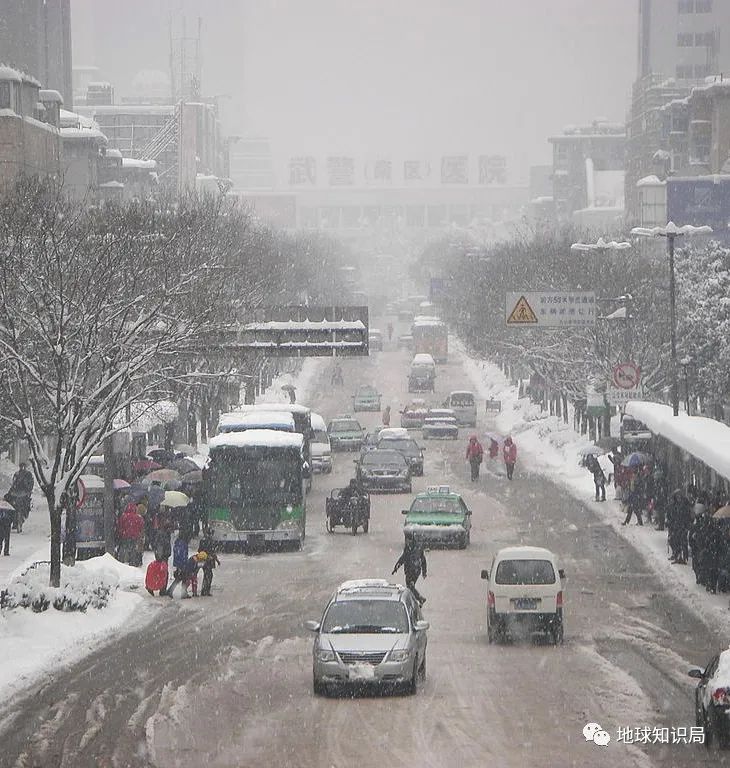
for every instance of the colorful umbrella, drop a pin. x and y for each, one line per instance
(6, 505)
(143, 466)
(636, 459)
(722, 513)
(160, 476)
(175, 499)
(192, 478)
(119, 484)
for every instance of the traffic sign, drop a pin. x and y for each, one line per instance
(550, 309)
(619, 396)
(627, 376)
(81, 492)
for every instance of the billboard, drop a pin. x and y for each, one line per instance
(341, 171)
(302, 170)
(492, 169)
(455, 169)
(303, 331)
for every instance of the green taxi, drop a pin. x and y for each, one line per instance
(438, 516)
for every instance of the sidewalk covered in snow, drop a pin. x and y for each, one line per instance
(697, 448)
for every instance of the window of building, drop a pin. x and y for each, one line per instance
(703, 6)
(705, 39)
(5, 95)
(685, 72)
(701, 71)
(686, 6)
(685, 39)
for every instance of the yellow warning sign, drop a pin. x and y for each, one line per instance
(522, 314)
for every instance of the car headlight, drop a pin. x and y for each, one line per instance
(324, 655)
(404, 473)
(367, 473)
(400, 655)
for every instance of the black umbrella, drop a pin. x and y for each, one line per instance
(183, 466)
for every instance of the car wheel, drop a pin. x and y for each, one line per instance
(422, 669)
(708, 729)
(319, 689)
(462, 541)
(412, 686)
(366, 526)
(557, 631)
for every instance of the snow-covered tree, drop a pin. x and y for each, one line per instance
(96, 309)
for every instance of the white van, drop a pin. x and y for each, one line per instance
(525, 586)
(464, 405)
(422, 374)
(319, 446)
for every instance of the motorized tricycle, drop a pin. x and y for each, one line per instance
(349, 510)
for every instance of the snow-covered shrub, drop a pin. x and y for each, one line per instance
(79, 590)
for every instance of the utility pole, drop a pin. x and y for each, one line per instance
(109, 515)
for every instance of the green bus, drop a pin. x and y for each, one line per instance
(253, 487)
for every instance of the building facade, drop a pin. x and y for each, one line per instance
(588, 173)
(35, 37)
(686, 40)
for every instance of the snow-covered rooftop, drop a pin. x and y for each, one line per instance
(706, 439)
(280, 420)
(133, 162)
(307, 325)
(290, 407)
(254, 437)
(651, 181)
(9, 73)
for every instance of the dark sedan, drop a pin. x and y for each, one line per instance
(410, 450)
(384, 470)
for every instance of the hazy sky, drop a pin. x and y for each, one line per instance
(369, 77)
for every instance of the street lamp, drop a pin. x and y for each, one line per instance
(601, 245)
(686, 362)
(672, 232)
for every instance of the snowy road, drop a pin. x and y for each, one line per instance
(227, 682)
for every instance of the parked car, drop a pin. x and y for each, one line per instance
(407, 447)
(440, 423)
(712, 699)
(464, 406)
(422, 373)
(405, 341)
(375, 340)
(439, 516)
(345, 433)
(384, 470)
(320, 449)
(633, 431)
(371, 633)
(366, 398)
(525, 587)
(412, 416)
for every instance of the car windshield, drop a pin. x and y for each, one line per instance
(367, 391)
(525, 572)
(365, 617)
(462, 400)
(435, 504)
(344, 426)
(404, 446)
(319, 436)
(383, 458)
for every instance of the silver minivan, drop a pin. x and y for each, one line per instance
(372, 633)
(464, 406)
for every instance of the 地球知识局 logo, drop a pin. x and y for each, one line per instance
(595, 733)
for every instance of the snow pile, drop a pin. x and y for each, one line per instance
(89, 584)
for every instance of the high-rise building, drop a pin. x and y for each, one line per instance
(35, 37)
(684, 39)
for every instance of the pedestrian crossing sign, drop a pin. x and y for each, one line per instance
(522, 313)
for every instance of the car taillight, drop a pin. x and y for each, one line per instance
(490, 599)
(559, 600)
(721, 696)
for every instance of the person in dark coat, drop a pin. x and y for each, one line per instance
(599, 477)
(698, 543)
(19, 495)
(6, 524)
(679, 520)
(713, 555)
(209, 564)
(661, 496)
(509, 452)
(474, 455)
(633, 501)
(413, 560)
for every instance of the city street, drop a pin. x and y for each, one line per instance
(228, 681)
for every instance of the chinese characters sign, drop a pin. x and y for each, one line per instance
(455, 169)
(341, 171)
(550, 309)
(302, 170)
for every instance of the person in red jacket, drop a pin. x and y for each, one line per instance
(130, 530)
(474, 455)
(509, 451)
